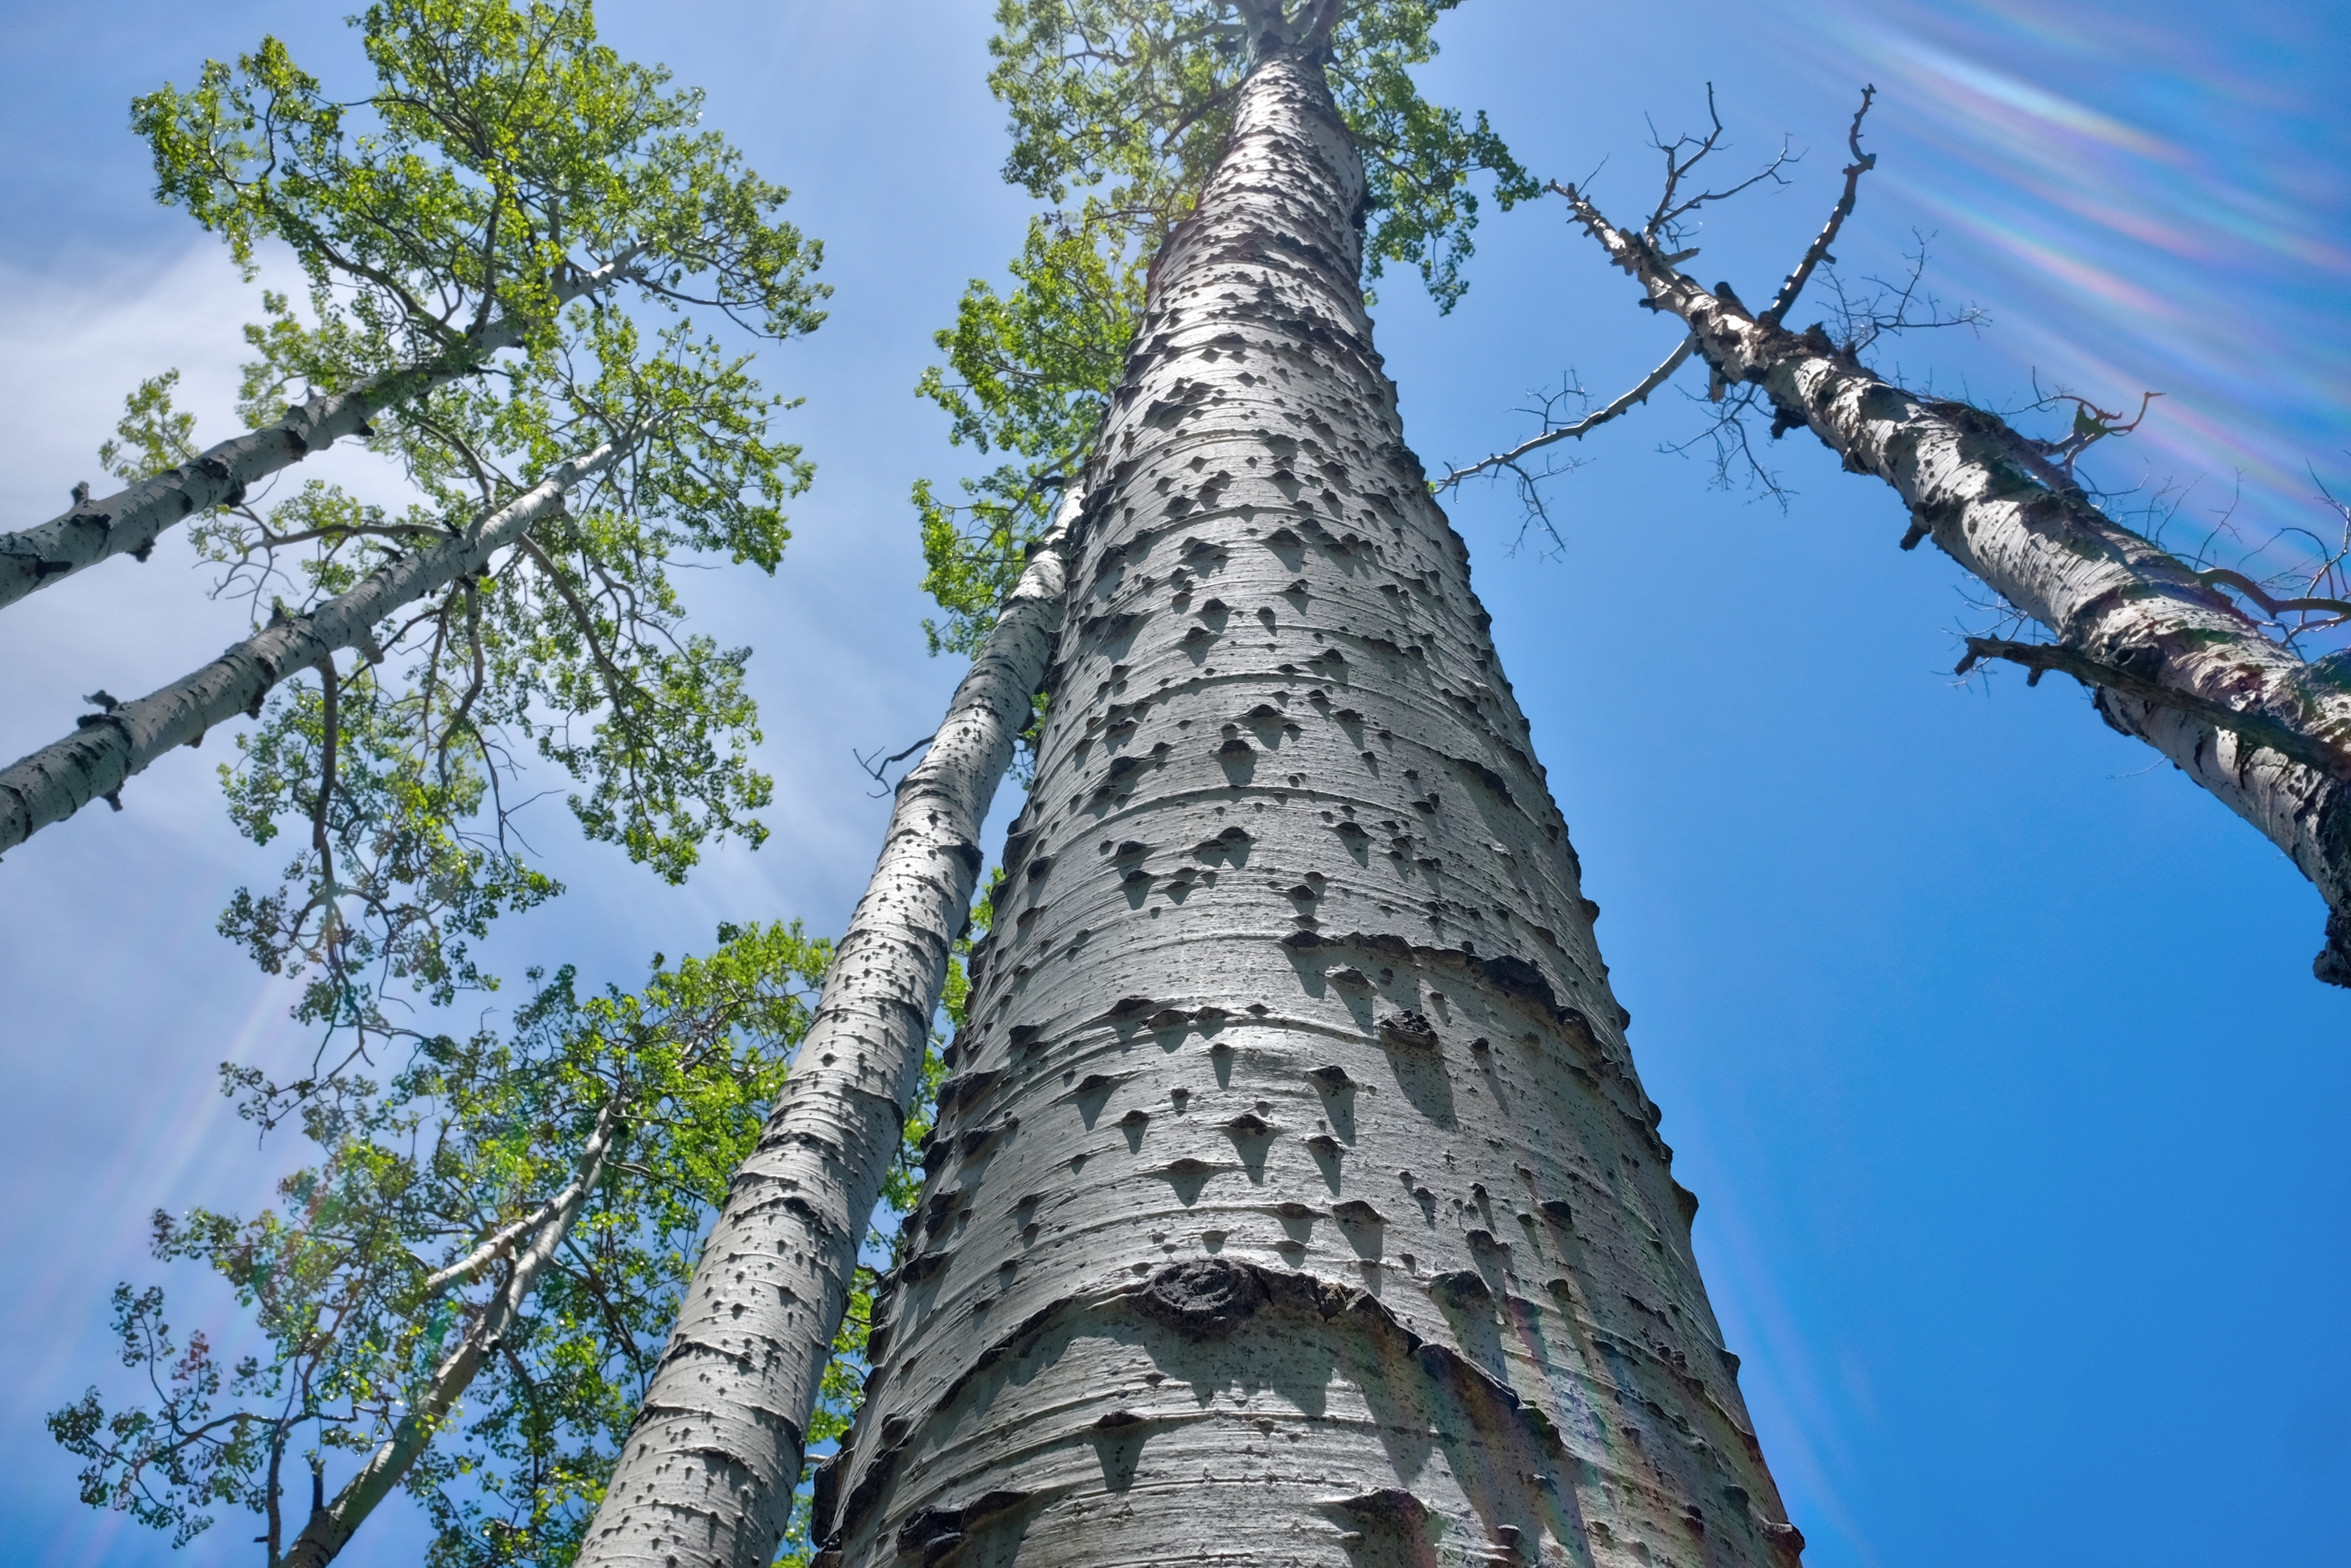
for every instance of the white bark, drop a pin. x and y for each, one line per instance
(2142, 625)
(707, 1476)
(1297, 1201)
(59, 779)
(129, 522)
(330, 1528)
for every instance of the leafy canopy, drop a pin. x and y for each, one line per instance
(503, 154)
(1120, 110)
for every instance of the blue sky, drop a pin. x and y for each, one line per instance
(1989, 1047)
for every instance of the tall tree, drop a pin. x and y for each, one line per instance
(526, 602)
(1295, 1183)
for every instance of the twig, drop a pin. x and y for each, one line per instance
(1665, 224)
(2244, 585)
(879, 771)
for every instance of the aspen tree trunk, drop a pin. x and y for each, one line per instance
(1297, 1201)
(129, 522)
(2172, 660)
(93, 763)
(704, 1478)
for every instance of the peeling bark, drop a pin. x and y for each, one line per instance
(1295, 1199)
(705, 1477)
(93, 763)
(129, 522)
(330, 1528)
(2172, 660)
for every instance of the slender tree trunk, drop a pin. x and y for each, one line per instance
(129, 522)
(330, 1527)
(2172, 660)
(1298, 1201)
(706, 1478)
(59, 779)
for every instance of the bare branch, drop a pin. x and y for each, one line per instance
(879, 771)
(1639, 394)
(1818, 251)
(2310, 751)
(1684, 154)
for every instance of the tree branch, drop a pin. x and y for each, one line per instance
(129, 522)
(1818, 251)
(54, 783)
(1639, 394)
(2310, 751)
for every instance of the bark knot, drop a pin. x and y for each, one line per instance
(1204, 1299)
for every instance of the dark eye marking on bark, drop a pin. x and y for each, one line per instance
(959, 1094)
(1388, 1505)
(1411, 1029)
(934, 1533)
(1461, 1286)
(981, 1140)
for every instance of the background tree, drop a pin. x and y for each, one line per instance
(464, 1295)
(2226, 676)
(524, 602)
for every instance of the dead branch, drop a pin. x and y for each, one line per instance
(1639, 394)
(879, 771)
(1665, 222)
(1818, 251)
(2040, 657)
(2340, 610)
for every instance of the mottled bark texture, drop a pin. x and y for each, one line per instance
(129, 522)
(706, 1478)
(1295, 1199)
(93, 763)
(330, 1528)
(2172, 660)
